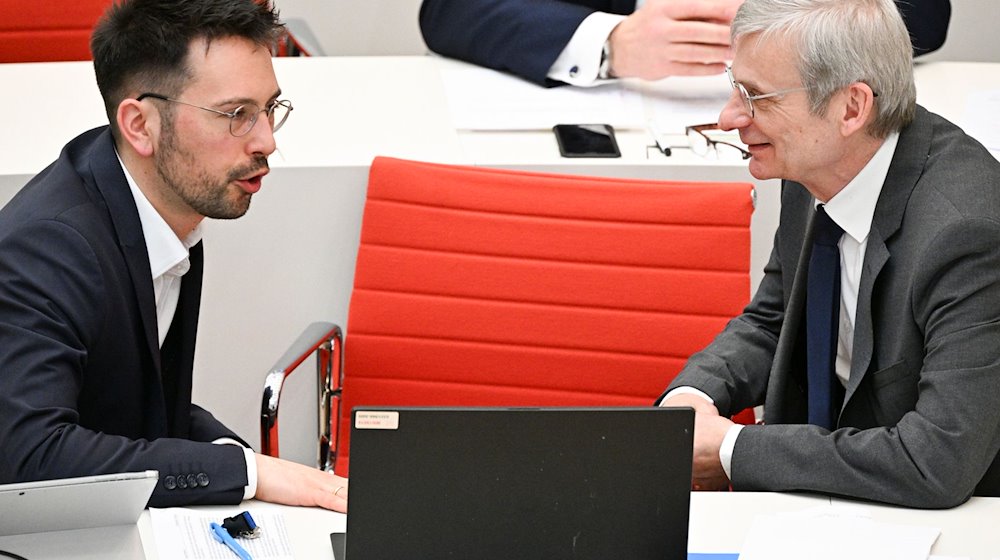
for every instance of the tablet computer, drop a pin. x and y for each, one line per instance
(75, 503)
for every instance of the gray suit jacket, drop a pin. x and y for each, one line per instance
(920, 423)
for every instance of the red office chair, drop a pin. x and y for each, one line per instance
(47, 31)
(478, 286)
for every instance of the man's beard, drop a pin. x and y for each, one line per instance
(211, 198)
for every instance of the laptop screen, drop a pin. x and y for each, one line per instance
(492, 483)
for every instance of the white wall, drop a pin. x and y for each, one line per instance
(358, 27)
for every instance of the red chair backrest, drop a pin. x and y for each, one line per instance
(478, 286)
(46, 30)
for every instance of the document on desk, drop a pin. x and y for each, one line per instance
(835, 533)
(184, 533)
(484, 99)
(982, 113)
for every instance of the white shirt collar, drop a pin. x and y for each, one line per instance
(165, 250)
(853, 208)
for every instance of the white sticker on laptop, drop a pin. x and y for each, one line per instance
(376, 420)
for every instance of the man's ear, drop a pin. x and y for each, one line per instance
(139, 124)
(859, 108)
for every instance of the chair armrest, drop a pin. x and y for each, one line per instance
(326, 339)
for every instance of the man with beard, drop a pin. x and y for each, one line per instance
(101, 261)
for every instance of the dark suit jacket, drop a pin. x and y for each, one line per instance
(920, 423)
(525, 37)
(84, 387)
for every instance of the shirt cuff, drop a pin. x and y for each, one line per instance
(687, 391)
(726, 449)
(250, 490)
(580, 61)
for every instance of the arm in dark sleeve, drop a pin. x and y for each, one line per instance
(927, 21)
(524, 37)
(206, 427)
(734, 368)
(55, 325)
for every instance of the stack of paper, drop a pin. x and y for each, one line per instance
(184, 533)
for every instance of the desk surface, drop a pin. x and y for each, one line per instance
(349, 109)
(719, 523)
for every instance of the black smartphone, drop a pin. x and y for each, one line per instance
(586, 140)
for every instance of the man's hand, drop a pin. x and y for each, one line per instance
(285, 482)
(707, 471)
(673, 38)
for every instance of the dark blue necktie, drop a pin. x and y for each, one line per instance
(822, 321)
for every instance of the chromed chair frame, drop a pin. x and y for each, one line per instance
(327, 341)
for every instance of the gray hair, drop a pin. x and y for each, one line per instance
(840, 42)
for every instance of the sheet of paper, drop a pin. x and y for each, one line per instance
(484, 99)
(184, 533)
(982, 113)
(821, 534)
(685, 101)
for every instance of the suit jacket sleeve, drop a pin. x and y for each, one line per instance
(734, 368)
(524, 37)
(55, 324)
(206, 427)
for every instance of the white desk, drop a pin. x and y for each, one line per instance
(290, 261)
(720, 522)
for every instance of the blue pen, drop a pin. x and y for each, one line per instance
(222, 535)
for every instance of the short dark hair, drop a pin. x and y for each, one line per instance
(143, 44)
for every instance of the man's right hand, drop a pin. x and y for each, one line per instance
(673, 38)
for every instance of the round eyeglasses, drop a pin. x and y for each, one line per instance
(749, 99)
(242, 118)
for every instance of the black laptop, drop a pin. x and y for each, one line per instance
(526, 483)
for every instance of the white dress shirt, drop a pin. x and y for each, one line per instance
(169, 261)
(580, 60)
(853, 209)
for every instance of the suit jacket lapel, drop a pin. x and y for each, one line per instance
(787, 375)
(907, 165)
(109, 180)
